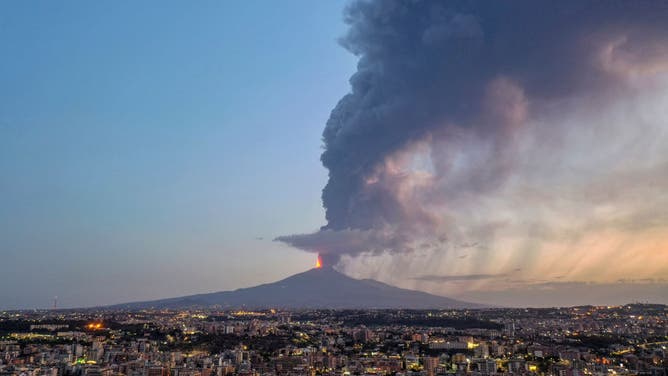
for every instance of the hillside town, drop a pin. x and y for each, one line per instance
(577, 341)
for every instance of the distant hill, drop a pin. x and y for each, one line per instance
(315, 288)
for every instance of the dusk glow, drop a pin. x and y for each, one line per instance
(497, 153)
(334, 188)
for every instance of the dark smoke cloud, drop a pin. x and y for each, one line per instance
(442, 92)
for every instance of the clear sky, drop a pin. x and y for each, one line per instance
(150, 150)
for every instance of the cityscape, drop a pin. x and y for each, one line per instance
(588, 340)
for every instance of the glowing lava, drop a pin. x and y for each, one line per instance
(318, 262)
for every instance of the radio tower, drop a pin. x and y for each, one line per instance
(55, 303)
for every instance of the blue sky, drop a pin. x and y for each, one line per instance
(145, 148)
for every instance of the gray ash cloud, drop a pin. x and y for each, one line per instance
(443, 92)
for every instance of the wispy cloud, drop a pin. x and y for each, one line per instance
(462, 277)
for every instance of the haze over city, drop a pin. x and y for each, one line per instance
(155, 150)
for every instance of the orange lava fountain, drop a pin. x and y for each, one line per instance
(318, 262)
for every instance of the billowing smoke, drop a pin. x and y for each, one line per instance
(460, 112)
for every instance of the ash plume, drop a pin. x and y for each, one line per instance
(456, 103)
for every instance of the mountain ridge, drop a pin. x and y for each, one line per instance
(323, 288)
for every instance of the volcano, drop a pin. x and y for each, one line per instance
(320, 288)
